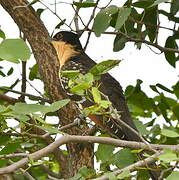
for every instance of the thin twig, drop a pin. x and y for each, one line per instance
(31, 85)
(28, 95)
(55, 15)
(87, 41)
(23, 86)
(107, 4)
(68, 126)
(24, 78)
(49, 172)
(93, 14)
(87, 26)
(27, 174)
(6, 156)
(76, 16)
(43, 136)
(151, 25)
(162, 49)
(133, 167)
(22, 135)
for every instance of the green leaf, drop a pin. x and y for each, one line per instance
(10, 71)
(96, 95)
(104, 67)
(174, 7)
(123, 158)
(142, 174)
(124, 174)
(173, 176)
(23, 108)
(20, 117)
(4, 140)
(39, 11)
(105, 104)
(86, 172)
(170, 56)
(141, 127)
(150, 17)
(85, 4)
(2, 74)
(80, 87)
(2, 34)
(111, 176)
(142, 4)
(60, 24)
(141, 100)
(123, 15)
(34, 72)
(91, 110)
(119, 43)
(81, 83)
(57, 105)
(14, 50)
(163, 109)
(169, 133)
(164, 88)
(176, 111)
(10, 148)
(158, 2)
(104, 153)
(103, 19)
(33, 2)
(168, 156)
(154, 88)
(70, 74)
(176, 89)
(51, 130)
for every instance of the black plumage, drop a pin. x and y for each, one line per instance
(72, 57)
(109, 86)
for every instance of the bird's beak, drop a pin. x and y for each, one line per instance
(52, 39)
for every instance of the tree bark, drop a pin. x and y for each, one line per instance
(37, 35)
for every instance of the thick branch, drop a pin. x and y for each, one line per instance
(48, 64)
(8, 99)
(84, 139)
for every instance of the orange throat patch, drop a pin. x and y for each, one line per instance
(64, 51)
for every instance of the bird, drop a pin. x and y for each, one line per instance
(72, 56)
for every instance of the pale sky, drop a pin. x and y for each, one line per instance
(137, 64)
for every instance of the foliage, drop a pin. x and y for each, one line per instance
(156, 118)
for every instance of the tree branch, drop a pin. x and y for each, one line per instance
(28, 95)
(162, 49)
(36, 33)
(6, 156)
(85, 139)
(133, 167)
(8, 99)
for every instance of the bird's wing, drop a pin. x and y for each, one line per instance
(112, 89)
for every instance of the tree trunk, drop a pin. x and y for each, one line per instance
(45, 55)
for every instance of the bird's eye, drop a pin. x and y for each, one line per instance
(59, 36)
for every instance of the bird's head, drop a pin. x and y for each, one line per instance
(67, 46)
(69, 38)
